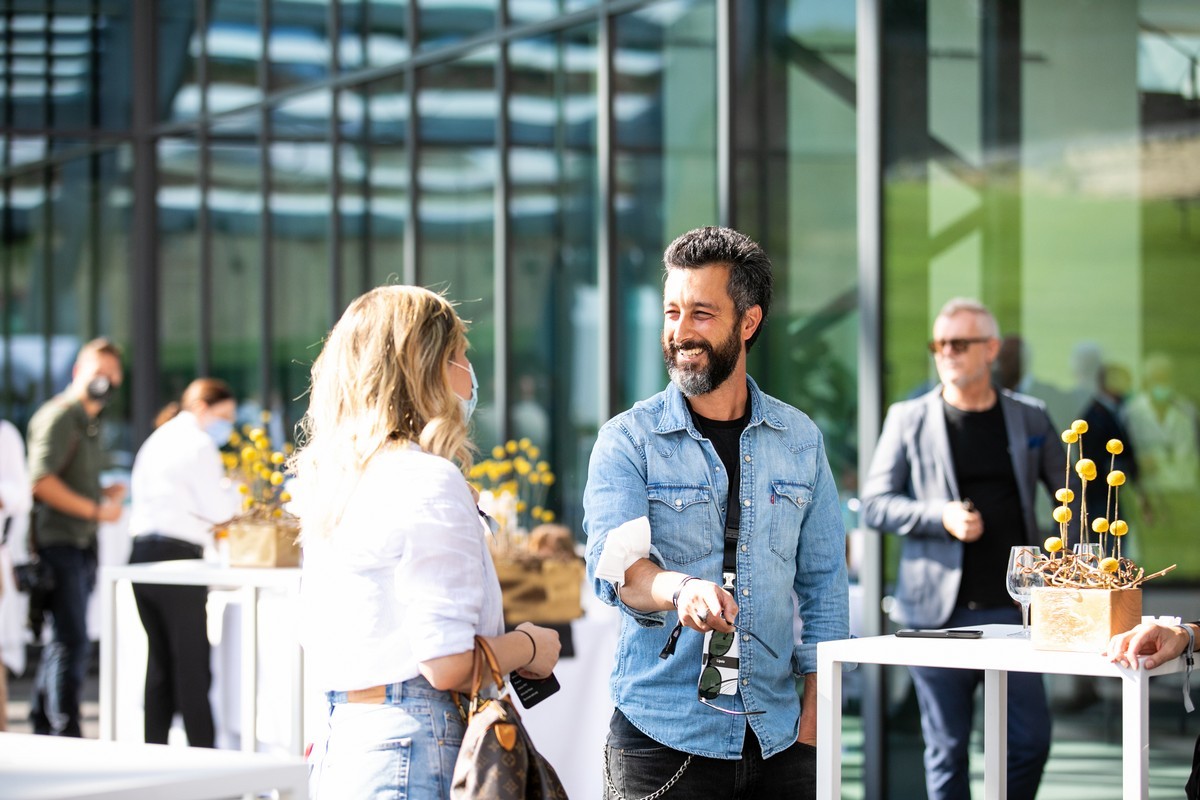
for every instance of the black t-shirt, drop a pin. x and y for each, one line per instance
(725, 436)
(983, 467)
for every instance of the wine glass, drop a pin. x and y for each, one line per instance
(1088, 554)
(1020, 580)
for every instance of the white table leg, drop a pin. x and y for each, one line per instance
(249, 686)
(108, 658)
(1135, 734)
(829, 730)
(995, 734)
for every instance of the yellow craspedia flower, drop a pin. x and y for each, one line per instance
(229, 460)
(248, 503)
(537, 512)
(235, 439)
(1109, 565)
(285, 497)
(249, 454)
(1062, 514)
(547, 516)
(1119, 527)
(1079, 426)
(1070, 437)
(1086, 469)
(521, 506)
(1053, 544)
(535, 478)
(1115, 446)
(1116, 478)
(548, 479)
(498, 451)
(543, 466)
(1064, 495)
(533, 453)
(522, 466)
(510, 446)
(278, 458)
(243, 489)
(277, 512)
(525, 443)
(276, 478)
(1100, 525)
(257, 433)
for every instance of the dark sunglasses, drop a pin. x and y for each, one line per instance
(957, 346)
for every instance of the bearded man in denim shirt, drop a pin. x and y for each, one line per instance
(711, 507)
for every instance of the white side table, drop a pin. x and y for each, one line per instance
(996, 654)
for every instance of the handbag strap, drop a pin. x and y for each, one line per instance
(484, 658)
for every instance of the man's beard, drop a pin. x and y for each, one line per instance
(694, 380)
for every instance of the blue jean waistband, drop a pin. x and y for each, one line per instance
(391, 693)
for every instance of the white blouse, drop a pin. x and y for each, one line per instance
(405, 577)
(178, 487)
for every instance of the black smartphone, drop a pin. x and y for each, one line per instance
(530, 691)
(934, 633)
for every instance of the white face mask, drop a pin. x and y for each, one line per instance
(468, 403)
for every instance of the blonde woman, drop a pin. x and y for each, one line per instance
(398, 579)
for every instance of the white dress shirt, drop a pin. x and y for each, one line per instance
(178, 485)
(16, 495)
(405, 577)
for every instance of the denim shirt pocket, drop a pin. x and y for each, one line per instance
(679, 518)
(789, 501)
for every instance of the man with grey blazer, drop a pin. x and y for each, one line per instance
(954, 473)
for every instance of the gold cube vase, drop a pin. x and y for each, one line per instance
(1081, 620)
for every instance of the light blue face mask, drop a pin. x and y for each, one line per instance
(468, 404)
(219, 430)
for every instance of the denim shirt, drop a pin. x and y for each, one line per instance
(651, 461)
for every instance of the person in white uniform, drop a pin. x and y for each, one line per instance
(179, 491)
(398, 579)
(16, 500)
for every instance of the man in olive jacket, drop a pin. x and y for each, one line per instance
(65, 461)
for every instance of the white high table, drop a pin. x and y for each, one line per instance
(249, 582)
(996, 654)
(60, 768)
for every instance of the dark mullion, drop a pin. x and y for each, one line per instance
(366, 157)
(412, 231)
(501, 246)
(204, 351)
(335, 166)
(266, 245)
(606, 246)
(725, 154)
(6, 220)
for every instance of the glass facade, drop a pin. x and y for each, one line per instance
(210, 182)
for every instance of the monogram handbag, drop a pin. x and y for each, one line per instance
(498, 760)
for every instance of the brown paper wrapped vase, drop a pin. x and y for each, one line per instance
(1081, 620)
(544, 591)
(264, 543)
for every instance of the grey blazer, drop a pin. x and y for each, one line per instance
(912, 478)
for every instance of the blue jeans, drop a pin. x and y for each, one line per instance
(54, 707)
(639, 766)
(404, 748)
(947, 700)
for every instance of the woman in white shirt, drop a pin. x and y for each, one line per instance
(398, 579)
(179, 490)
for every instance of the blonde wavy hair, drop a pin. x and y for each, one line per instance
(381, 378)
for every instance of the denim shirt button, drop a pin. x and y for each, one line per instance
(745, 637)
(678, 502)
(745, 592)
(745, 549)
(746, 503)
(748, 459)
(745, 681)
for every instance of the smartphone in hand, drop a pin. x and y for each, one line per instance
(933, 633)
(531, 691)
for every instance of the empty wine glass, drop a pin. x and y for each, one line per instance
(1020, 580)
(1088, 554)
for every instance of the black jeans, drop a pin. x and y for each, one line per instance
(54, 707)
(638, 766)
(178, 670)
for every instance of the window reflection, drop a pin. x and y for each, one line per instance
(234, 43)
(553, 380)
(180, 270)
(443, 22)
(456, 206)
(664, 98)
(298, 42)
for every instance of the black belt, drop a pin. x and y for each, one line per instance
(158, 538)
